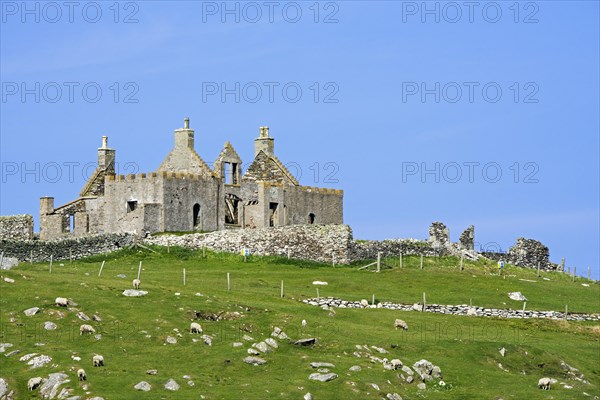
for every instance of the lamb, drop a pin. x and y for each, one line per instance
(33, 383)
(61, 301)
(136, 284)
(98, 361)
(195, 327)
(81, 374)
(544, 383)
(85, 328)
(400, 324)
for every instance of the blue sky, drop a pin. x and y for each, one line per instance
(486, 115)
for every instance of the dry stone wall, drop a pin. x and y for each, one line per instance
(64, 248)
(321, 243)
(16, 227)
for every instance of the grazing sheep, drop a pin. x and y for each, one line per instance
(400, 324)
(136, 284)
(61, 301)
(81, 374)
(98, 361)
(33, 383)
(195, 327)
(85, 328)
(544, 383)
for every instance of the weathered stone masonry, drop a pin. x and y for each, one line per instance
(16, 227)
(184, 194)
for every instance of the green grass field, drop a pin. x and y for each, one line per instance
(465, 348)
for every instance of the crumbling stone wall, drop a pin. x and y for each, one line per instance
(467, 238)
(529, 253)
(368, 249)
(321, 243)
(16, 227)
(61, 249)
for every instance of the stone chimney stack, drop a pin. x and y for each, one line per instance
(184, 137)
(264, 142)
(106, 157)
(46, 205)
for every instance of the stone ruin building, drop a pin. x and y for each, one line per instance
(185, 194)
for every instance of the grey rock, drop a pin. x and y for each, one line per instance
(518, 296)
(279, 334)
(308, 396)
(39, 361)
(4, 346)
(393, 396)
(143, 386)
(262, 347)
(170, 340)
(306, 342)
(254, 360)
(421, 386)
(134, 293)
(171, 385)
(410, 379)
(12, 353)
(49, 326)
(322, 377)
(253, 352)
(81, 315)
(123, 276)
(316, 364)
(238, 344)
(5, 392)
(355, 368)
(8, 263)
(31, 311)
(50, 387)
(271, 342)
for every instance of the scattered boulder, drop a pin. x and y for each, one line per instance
(253, 352)
(170, 340)
(355, 368)
(5, 392)
(502, 351)
(254, 360)
(49, 326)
(271, 342)
(143, 386)
(518, 296)
(50, 386)
(308, 396)
(279, 334)
(306, 342)
(4, 346)
(134, 293)
(322, 377)
(152, 372)
(8, 280)
(321, 365)
(421, 386)
(262, 347)
(8, 263)
(393, 396)
(81, 315)
(39, 361)
(31, 311)
(172, 385)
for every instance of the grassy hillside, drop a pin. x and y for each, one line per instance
(465, 348)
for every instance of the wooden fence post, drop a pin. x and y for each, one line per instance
(50, 263)
(101, 266)
(421, 261)
(228, 282)
(379, 261)
(139, 270)
(281, 289)
(424, 302)
(184, 277)
(400, 260)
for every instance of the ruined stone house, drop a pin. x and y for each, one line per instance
(185, 194)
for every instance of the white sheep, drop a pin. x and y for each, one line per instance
(136, 284)
(195, 327)
(304, 323)
(544, 383)
(400, 324)
(85, 328)
(98, 361)
(81, 374)
(33, 383)
(61, 301)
